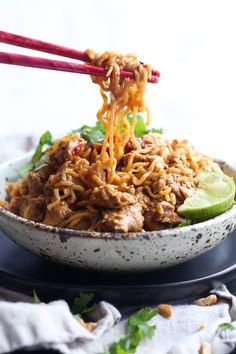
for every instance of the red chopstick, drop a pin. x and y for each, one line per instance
(35, 44)
(42, 63)
(30, 43)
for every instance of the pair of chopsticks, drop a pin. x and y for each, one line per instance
(42, 63)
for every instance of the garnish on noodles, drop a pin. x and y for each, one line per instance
(118, 176)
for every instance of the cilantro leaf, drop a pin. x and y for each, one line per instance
(185, 222)
(39, 158)
(137, 329)
(36, 299)
(140, 318)
(140, 128)
(137, 322)
(92, 134)
(45, 139)
(81, 303)
(226, 325)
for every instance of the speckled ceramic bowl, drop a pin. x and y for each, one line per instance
(133, 252)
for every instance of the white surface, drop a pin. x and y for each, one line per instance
(191, 42)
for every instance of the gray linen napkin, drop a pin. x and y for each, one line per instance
(25, 325)
(38, 326)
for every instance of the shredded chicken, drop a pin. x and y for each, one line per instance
(58, 214)
(160, 217)
(128, 219)
(109, 196)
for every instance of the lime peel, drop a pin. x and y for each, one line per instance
(214, 196)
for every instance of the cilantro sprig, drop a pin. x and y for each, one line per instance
(137, 329)
(39, 158)
(95, 134)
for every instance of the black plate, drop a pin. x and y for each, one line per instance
(22, 271)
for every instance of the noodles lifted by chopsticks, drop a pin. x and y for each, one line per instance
(125, 96)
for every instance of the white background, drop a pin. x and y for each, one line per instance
(192, 43)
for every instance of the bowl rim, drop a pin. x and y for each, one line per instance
(67, 233)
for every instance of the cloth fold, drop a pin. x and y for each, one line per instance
(26, 325)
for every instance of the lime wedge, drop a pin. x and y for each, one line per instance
(214, 196)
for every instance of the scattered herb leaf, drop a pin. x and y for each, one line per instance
(186, 222)
(226, 325)
(36, 299)
(138, 320)
(39, 158)
(137, 329)
(81, 303)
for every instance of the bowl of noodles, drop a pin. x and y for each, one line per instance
(109, 197)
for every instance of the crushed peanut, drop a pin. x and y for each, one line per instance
(205, 348)
(201, 326)
(90, 326)
(165, 310)
(206, 301)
